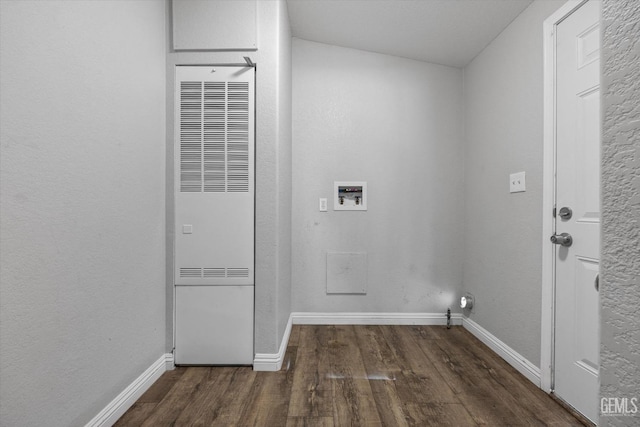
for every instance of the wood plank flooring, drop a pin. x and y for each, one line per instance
(356, 376)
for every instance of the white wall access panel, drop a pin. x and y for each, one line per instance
(214, 178)
(214, 325)
(215, 25)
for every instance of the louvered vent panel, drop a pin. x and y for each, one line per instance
(238, 137)
(214, 272)
(221, 272)
(214, 137)
(237, 272)
(190, 272)
(191, 137)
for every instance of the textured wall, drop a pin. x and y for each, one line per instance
(503, 121)
(395, 123)
(273, 169)
(82, 205)
(620, 272)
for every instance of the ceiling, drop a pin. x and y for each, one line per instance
(447, 32)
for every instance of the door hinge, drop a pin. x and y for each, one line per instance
(554, 211)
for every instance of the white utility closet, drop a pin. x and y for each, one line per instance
(214, 215)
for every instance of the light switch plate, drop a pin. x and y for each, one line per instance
(517, 182)
(323, 204)
(187, 229)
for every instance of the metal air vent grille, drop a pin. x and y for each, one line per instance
(214, 137)
(219, 272)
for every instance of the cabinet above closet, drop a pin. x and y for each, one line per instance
(214, 25)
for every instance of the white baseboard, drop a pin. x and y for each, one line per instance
(375, 318)
(512, 357)
(118, 406)
(170, 362)
(273, 362)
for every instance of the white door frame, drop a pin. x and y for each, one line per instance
(548, 194)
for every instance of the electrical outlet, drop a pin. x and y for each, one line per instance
(517, 182)
(323, 204)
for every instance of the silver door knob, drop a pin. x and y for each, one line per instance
(563, 239)
(565, 213)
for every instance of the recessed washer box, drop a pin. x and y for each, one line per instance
(349, 196)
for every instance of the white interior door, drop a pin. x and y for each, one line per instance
(577, 325)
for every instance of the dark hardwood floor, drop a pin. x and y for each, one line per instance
(356, 376)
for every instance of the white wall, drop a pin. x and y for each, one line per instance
(273, 168)
(273, 145)
(503, 231)
(284, 186)
(82, 205)
(395, 123)
(620, 271)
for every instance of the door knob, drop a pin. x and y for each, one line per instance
(563, 239)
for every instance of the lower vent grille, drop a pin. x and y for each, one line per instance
(190, 272)
(237, 272)
(213, 272)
